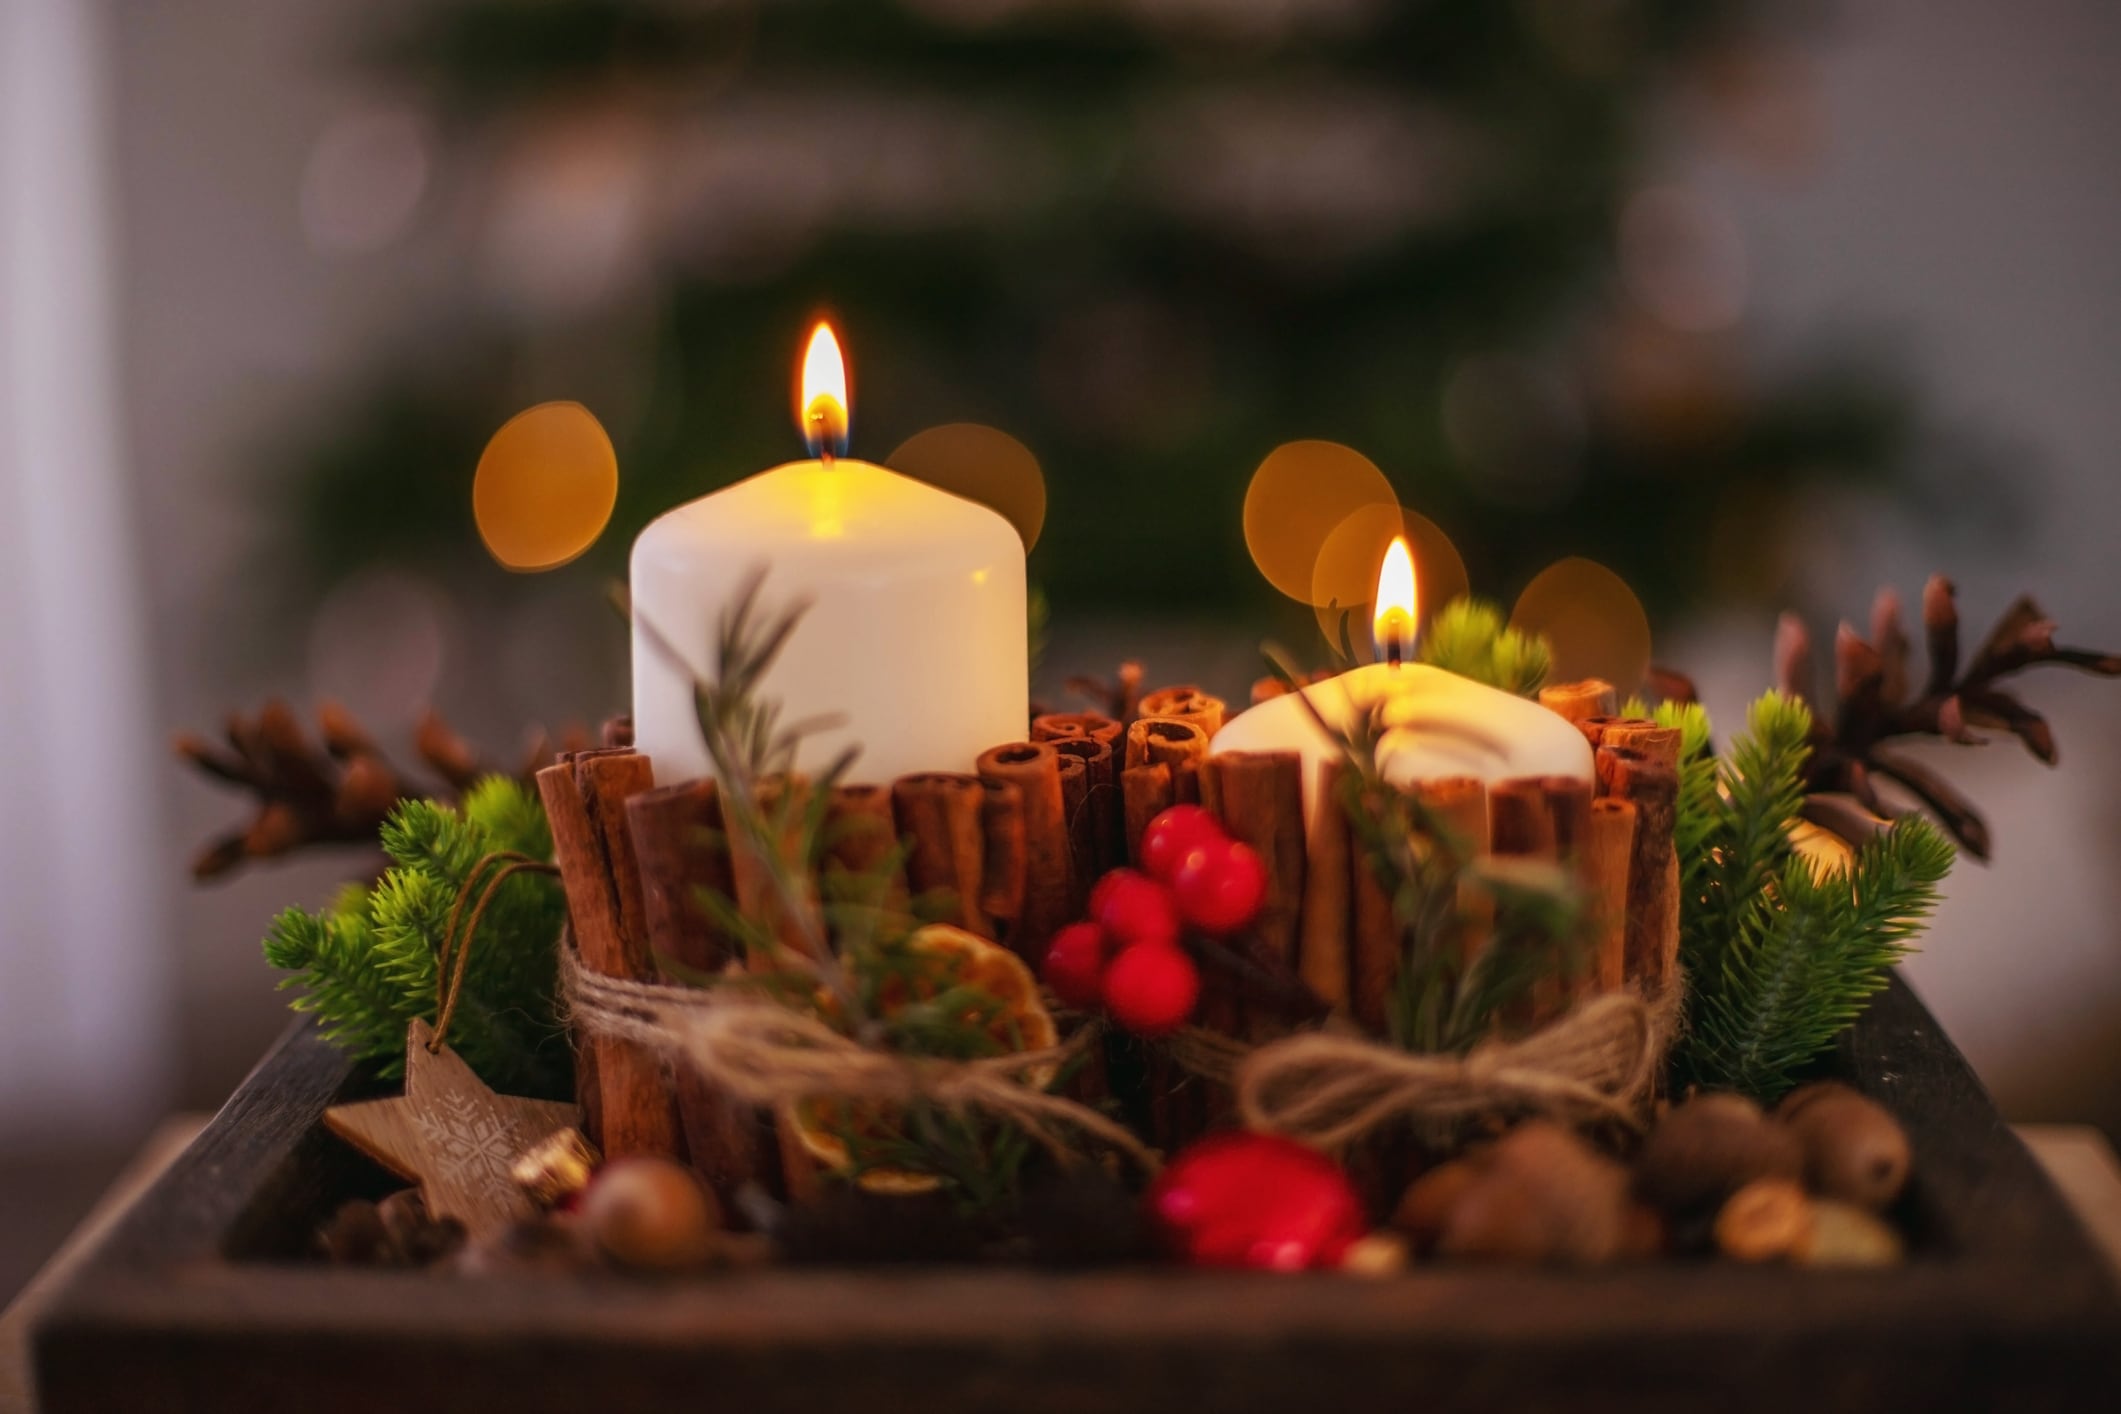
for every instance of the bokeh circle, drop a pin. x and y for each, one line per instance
(545, 486)
(1344, 576)
(983, 464)
(1592, 621)
(1299, 494)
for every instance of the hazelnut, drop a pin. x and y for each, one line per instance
(1708, 1147)
(1426, 1206)
(1765, 1221)
(1541, 1195)
(1854, 1150)
(651, 1214)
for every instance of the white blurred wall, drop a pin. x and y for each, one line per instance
(83, 936)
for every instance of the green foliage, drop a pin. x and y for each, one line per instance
(1470, 637)
(366, 965)
(1781, 957)
(1810, 953)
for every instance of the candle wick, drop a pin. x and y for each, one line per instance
(1394, 652)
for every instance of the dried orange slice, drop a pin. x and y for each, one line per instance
(836, 1132)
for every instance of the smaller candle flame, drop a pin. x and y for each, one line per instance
(821, 397)
(1392, 624)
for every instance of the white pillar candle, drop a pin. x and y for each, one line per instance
(915, 635)
(1436, 723)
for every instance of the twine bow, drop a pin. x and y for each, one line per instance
(1327, 1090)
(764, 1054)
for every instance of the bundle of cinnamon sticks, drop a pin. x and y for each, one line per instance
(1328, 916)
(1010, 850)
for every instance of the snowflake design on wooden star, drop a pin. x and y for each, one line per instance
(452, 1135)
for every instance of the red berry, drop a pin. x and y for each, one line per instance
(1151, 991)
(1219, 889)
(1075, 966)
(1135, 909)
(1254, 1200)
(1173, 835)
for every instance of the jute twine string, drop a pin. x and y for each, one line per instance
(1331, 1090)
(764, 1054)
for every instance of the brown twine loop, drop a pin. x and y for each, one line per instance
(453, 957)
(767, 1055)
(1593, 1065)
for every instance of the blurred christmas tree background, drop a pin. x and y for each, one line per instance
(1152, 239)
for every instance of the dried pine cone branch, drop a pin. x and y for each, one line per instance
(338, 788)
(1874, 705)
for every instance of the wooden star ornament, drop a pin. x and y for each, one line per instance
(452, 1135)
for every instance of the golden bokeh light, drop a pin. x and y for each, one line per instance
(545, 486)
(1344, 576)
(1297, 496)
(1592, 621)
(983, 464)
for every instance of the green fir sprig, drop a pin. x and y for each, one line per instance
(1781, 954)
(367, 965)
(1470, 637)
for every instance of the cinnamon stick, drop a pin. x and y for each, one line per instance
(1002, 857)
(1603, 869)
(1644, 735)
(1460, 805)
(1520, 824)
(681, 853)
(1260, 797)
(1075, 826)
(1186, 704)
(1071, 726)
(861, 836)
(1165, 741)
(795, 923)
(1034, 768)
(585, 798)
(1146, 792)
(1328, 912)
(1569, 807)
(938, 814)
(1652, 948)
(1591, 697)
(1094, 825)
(1374, 952)
(1595, 728)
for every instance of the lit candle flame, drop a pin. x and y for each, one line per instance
(822, 401)
(1392, 624)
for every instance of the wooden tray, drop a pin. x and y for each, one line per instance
(201, 1300)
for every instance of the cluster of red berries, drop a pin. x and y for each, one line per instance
(1125, 958)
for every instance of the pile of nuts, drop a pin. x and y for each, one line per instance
(1805, 1184)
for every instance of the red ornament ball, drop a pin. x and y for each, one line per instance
(1075, 966)
(1174, 834)
(1255, 1200)
(1135, 909)
(1220, 887)
(1151, 991)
